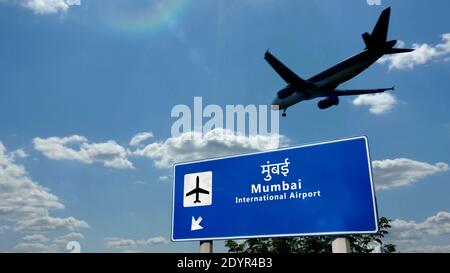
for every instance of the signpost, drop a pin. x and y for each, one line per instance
(316, 189)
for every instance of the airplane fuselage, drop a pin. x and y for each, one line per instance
(197, 200)
(328, 80)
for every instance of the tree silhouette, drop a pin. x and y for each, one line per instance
(358, 243)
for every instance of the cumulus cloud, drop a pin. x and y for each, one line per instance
(47, 223)
(19, 154)
(218, 142)
(378, 103)
(139, 138)
(122, 243)
(73, 236)
(428, 249)
(26, 205)
(115, 242)
(423, 53)
(36, 247)
(391, 173)
(411, 235)
(187, 146)
(20, 197)
(130, 251)
(45, 6)
(77, 148)
(154, 241)
(36, 238)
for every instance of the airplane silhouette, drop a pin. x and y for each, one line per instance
(324, 84)
(197, 191)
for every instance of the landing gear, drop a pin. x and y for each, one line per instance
(284, 113)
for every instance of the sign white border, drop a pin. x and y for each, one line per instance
(375, 209)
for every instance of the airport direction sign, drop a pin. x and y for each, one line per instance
(317, 189)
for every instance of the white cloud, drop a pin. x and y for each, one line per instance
(122, 243)
(154, 241)
(378, 103)
(109, 153)
(36, 238)
(114, 242)
(56, 147)
(130, 251)
(20, 197)
(422, 54)
(26, 205)
(218, 142)
(390, 173)
(139, 138)
(188, 146)
(73, 236)
(46, 6)
(36, 247)
(76, 147)
(164, 177)
(428, 249)
(408, 234)
(19, 154)
(47, 223)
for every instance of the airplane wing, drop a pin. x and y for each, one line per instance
(199, 190)
(191, 192)
(354, 92)
(202, 191)
(285, 73)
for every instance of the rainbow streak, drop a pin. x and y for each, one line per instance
(150, 18)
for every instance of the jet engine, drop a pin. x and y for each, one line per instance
(327, 103)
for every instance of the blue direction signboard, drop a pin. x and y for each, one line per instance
(317, 189)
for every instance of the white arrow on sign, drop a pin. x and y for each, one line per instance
(196, 223)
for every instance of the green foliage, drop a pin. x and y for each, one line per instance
(358, 243)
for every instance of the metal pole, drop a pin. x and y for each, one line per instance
(340, 245)
(206, 246)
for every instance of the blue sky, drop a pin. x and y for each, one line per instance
(79, 80)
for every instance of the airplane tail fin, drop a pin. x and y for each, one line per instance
(378, 39)
(367, 39)
(380, 31)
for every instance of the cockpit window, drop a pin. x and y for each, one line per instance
(282, 94)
